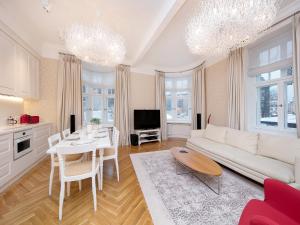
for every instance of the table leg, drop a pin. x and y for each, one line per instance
(194, 173)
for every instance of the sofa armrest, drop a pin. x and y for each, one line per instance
(197, 133)
(282, 197)
(297, 170)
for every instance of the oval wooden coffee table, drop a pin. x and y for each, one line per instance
(197, 163)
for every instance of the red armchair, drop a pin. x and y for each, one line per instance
(280, 207)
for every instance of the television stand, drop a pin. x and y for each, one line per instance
(145, 136)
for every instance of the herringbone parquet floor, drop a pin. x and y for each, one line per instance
(27, 201)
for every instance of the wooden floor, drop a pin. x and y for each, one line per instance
(27, 201)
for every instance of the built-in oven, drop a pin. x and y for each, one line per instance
(22, 143)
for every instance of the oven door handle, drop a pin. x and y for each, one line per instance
(23, 139)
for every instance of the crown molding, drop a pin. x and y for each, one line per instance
(17, 39)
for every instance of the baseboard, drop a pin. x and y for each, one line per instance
(20, 175)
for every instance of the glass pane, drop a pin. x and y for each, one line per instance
(97, 107)
(84, 88)
(182, 84)
(289, 49)
(262, 77)
(263, 58)
(275, 54)
(268, 100)
(168, 84)
(111, 91)
(169, 106)
(85, 107)
(97, 91)
(275, 74)
(110, 109)
(290, 116)
(182, 103)
(289, 71)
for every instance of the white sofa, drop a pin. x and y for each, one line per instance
(257, 156)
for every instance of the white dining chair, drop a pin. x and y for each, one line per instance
(66, 133)
(77, 171)
(110, 153)
(52, 141)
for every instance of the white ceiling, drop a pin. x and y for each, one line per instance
(153, 29)
(170, 52)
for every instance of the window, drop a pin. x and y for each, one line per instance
(178, 98)
(270, 94)
(98, 96)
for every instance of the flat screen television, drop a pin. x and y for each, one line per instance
(146, 119)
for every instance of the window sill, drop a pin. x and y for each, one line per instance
(179, 122)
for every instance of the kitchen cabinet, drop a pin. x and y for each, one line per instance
(19, 69)
(33, 71)
(6, 158)
(7, 64)
(22, 73)
(10, 169)
(27, 74)
(40, 140)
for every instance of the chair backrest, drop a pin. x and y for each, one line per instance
(54, 139)
(115, 139)
(66, 133)
(63, 151)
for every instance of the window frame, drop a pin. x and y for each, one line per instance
(253, 84)
(174, 90)
(104, 101)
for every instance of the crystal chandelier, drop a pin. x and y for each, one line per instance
(95, 43)
(220, 25)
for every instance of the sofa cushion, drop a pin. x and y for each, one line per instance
(197, 133)
(243, 140)
(281, 148)
(215, 133)
(266, 166)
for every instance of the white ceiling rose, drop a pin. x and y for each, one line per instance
(216, 26)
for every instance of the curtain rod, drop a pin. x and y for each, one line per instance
(282, 20)
(182, 71)
(62, 53)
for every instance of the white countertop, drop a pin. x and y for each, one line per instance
(18, 127)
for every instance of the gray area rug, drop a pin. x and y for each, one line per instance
(183, 199)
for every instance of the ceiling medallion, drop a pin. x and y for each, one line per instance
(220, 25)
(95, 43)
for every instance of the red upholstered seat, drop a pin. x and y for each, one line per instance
(280, 207)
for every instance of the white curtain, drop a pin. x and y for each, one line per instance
(296, 67)
(122, 103)
(160, 101)
(198, 97)
(69, 100)
(236, 119)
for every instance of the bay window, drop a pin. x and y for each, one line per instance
(270, 94)
(98, 96)
(178, 98)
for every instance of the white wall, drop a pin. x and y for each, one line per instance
(142, 93)
(217, 93)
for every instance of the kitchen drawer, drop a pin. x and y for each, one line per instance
(41, 132)
(40, 141)
(6, 149)
(5, 173)
(41, 150)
